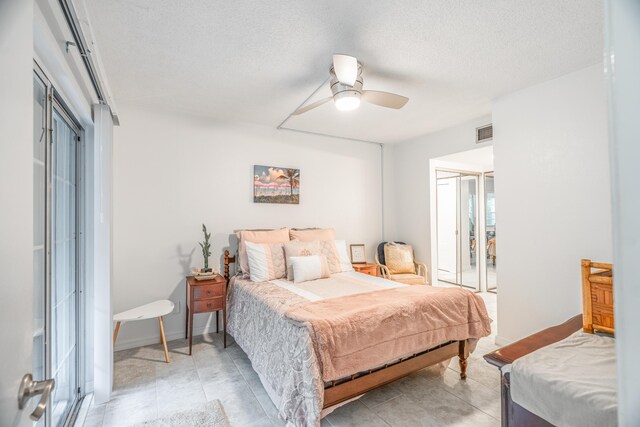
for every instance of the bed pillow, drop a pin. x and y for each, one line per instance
(337, 256)
(329, 250)
(296, 248)
(399, 258)
(307, 268)
(257, 236)
(310, 234)
(343, 255)
(266, 261)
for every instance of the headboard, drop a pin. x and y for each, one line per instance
(228, 259)
(597, 297)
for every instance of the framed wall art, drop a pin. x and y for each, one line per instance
(272, 184)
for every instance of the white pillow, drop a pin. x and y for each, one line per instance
(266, 261)
(296, 248)
(307, 268)
(343, 255)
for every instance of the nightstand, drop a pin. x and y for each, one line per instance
(206, 296)
(370, 269)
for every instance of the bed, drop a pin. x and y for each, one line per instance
(565, 375)
(324, 343)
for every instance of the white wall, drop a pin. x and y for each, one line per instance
(173, 172)
(16, 214)
(388, 192)
(552, 198)
(623, 66)
(408, 196)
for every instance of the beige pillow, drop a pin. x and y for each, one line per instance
(257, 236)
(295, 248)
(399, 258)
(309, 234)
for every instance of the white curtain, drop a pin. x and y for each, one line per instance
(103, 313)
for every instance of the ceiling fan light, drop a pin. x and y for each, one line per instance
(347, 103)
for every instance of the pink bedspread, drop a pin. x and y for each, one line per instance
(359, 332)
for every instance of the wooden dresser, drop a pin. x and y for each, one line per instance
(206, 296)
(370, 269)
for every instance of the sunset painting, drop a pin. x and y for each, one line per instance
(273, 184)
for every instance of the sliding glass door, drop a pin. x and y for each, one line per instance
(39, 229)
(64, 271)
(56, 292)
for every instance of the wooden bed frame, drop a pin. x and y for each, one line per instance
(597, 315)
(347, 388)
(597, 297)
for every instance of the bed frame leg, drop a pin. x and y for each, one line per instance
(463, 353)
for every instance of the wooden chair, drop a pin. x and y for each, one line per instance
(420, 277)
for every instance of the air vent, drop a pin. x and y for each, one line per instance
(484, 134)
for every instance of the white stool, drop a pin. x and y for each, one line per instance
(147, 311)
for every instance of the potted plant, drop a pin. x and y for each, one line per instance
(206, 250)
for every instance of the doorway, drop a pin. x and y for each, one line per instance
(463, 220)
(56, 337)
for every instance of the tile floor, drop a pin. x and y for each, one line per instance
(470, 276)
(147, 388)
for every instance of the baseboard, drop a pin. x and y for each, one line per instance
(501, 342)
(142, 341)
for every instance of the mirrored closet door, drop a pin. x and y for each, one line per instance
(457, 228)
(490, 206)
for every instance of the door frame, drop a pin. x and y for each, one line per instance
(55, 102)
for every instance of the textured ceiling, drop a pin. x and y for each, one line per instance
(255, 61)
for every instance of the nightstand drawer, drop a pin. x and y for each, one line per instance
(207, 305)
(208, 291)
(370, 269)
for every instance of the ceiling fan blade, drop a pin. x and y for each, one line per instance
(346, 69)
(311, 106)
(384, 99)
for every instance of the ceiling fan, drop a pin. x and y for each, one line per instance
(346, 86)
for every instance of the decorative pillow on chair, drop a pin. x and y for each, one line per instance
(399, 258)
(296, 248)
(310, 234)
(257, 236)
(307, 268)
